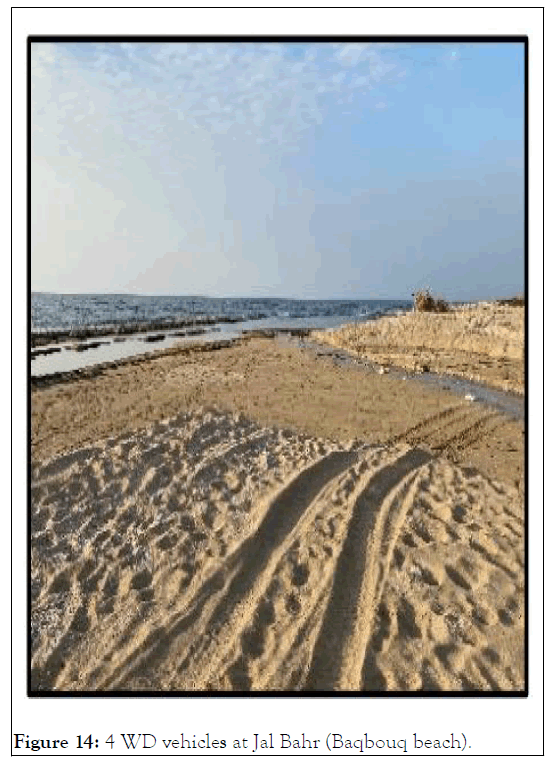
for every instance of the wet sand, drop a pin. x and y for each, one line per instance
(260, 517)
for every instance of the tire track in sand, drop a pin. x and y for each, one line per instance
(339, 653)
(290, 603)
(454, 429)
(242, 655)
(225, 593)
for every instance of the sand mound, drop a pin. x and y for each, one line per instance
(482, 342)
(208, 552)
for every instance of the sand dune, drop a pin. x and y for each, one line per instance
(206, 551)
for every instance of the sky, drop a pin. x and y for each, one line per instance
(305, 170)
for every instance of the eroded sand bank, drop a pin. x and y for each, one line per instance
(484, 342)
(259, 518)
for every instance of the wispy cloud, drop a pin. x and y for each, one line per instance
(178, 148)
(267, 93)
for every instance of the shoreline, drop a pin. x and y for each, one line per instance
(42, 335)
(97, 369)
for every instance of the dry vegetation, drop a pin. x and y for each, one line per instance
(518, 301)
(426, 303)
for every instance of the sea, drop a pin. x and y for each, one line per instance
(59, 311)
(124, 325)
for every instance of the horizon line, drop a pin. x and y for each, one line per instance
(513, 292)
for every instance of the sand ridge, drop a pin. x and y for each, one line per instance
(483, 342)
(209, 551)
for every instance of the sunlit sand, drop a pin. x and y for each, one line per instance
(259, 518)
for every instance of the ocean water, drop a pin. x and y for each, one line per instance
(146, 317)
(65, 311)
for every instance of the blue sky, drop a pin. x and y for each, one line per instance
(328, 170)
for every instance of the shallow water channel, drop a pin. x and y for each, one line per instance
(66, 356)
(508, 403)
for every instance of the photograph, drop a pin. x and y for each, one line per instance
(277, 366)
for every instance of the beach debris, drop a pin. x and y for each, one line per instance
(383, 370)
(421, 368)
(470, 398)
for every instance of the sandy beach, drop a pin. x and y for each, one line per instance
(260, 517)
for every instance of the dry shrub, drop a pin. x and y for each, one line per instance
(426, 303)
(517, 301)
